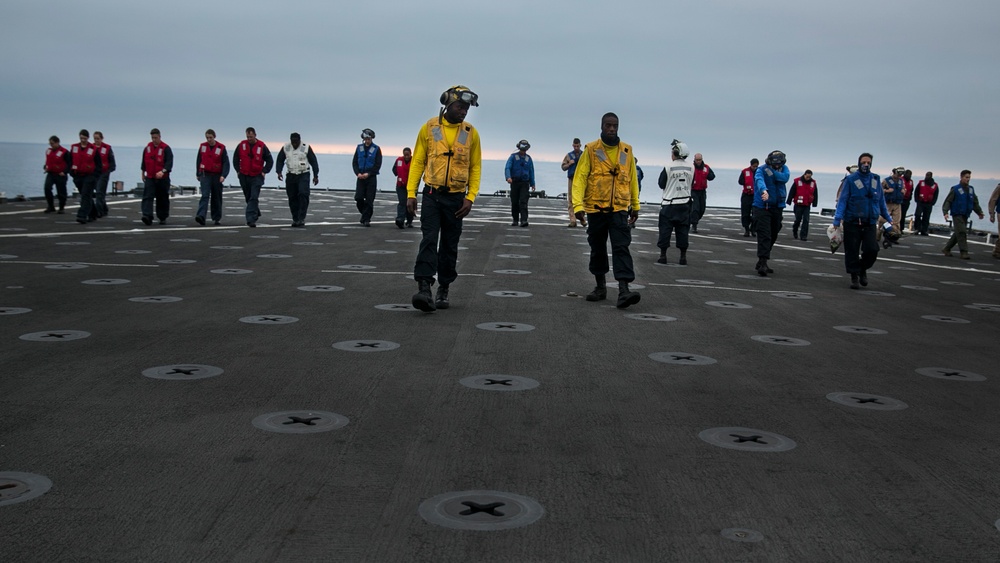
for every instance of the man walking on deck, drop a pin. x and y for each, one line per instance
(703, 174)
(157, 162)
(804, 196)
(926, 196)
(401, 170)
(961, 202)
(892, 188)
(85, 171)
(367, 163)
(57, 163)
(569, 165)
(211, 168)
(606, 193)
(448, 157)
(520, 174)
(859, 206)
(768, 206)
(746, 197)
(300, 158)
(252, 160)
(108, 165)
(675, 203)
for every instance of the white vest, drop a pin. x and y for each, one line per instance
(297, 159)
(678, 190)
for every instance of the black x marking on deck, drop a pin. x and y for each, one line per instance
(272, 319)
(475, 507)
(755, 438)
(300, 420)
(952, 374)
(401, 307)
(509, 293)
(498, 382)
(7, 486)
(862, 401)
(183, 371)
(55, 335)
(366, 345)
(686, 358)
(781, 340)
(506, 326)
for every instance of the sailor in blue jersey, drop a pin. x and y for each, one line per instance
(769, 204)
(367, 162)
(860, 204)
(961, 202)
(520, 174)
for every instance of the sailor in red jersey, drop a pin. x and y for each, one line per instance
(746, 198)
(57, 163)
(803, 195)
(157, 161)
(703, 174)
(211, 168)
(86, 168)
(907, 195)
(108, 166)
(926, 196)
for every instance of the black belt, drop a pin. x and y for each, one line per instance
(431, 190)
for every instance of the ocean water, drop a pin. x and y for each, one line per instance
(21, 174)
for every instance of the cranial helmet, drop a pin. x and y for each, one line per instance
(523, 145)
(679, 148)
(776, 158)
(459, 93)
(367, 134)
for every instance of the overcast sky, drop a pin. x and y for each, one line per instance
(915, 82)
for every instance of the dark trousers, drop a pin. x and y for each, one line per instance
(674, 218)
(401, 213)
(158, 190)
(768, 223)
(85, 185)
(60, 184)
(698, 199)
(859, 238)
(801, 218)
(101, 196)
(364, 196)
(746, 211)
(211, 196)
(251, 193)
(297, 186)
(519, 200)
(922, 217)
(441, 230)
(601, 227)
(903, 208)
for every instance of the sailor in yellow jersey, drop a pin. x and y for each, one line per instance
(448, 158)
(606, 194)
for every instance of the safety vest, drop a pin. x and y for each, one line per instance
(251, 158)
(907, 189)
(448, 166)
(700, 182)
(154, 157)
(520, 167)
(105, 152)
(402, 172)
(748, 181)
(83, 158)
(804, 191)
(366, 157)
(925, 192)
(895, 196)
(963, 203)
(297, 159)
(55, 160)
(211, 158)
(609, 185)
(572, 167)
(677, 185)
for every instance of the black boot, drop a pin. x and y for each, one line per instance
(423, 299)
(863, 278)
(663, 257)
(441, 301)
(600, 292)
(626, 296)
(761, 267)
(854, 282)
(684, 257)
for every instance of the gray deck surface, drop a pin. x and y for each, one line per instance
(147, 469)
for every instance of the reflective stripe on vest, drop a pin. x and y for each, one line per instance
(609, 185)
(925, 192)
(963, 204)
(105, 151)
(366, 157)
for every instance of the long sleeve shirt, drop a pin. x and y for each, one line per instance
(310, 156)
(583, 167)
